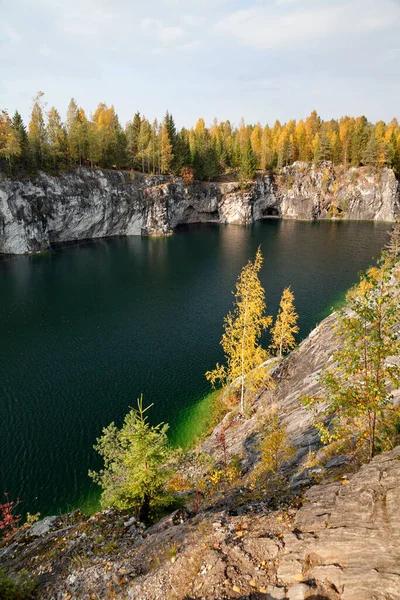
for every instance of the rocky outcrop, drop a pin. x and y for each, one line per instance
(349, 535)
(307, 191)
(38, 213)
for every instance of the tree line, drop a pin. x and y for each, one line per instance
(158, 147)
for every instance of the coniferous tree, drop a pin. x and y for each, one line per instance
(242, 331)
(135, 471)
(132, 136)
(22, 137)
(248, 165)
(371, 152)
(285, 327)
(167, 155)
(359, 140)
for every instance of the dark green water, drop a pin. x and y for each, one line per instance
(86, 329)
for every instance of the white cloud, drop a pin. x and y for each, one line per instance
(189, 46)
(170, 34)
(192, 20)
(165, 34)
(267, 28)
(85, 20)
(44, 50)
(10, 34)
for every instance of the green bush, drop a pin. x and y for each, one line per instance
(21, 586)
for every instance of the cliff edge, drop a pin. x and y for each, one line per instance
(36, 214)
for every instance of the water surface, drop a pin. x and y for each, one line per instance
(87, 329)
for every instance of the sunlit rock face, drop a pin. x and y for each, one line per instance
(307, 191)
(37, 213)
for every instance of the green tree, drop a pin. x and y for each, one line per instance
(22, 137)
(242, 331)
(56, 137)
(371, 153)
(285, 326)
(37, 132)
(135, 471)
(167, 155)
(132, 135)
(248, 164)
(356, 393)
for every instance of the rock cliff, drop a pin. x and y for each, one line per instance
(38, 213)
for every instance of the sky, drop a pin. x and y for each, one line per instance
(260, 59)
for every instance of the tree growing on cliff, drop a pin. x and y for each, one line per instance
(285, 327)
(167, 155)
(37, 132)
(135, 472)
(393, 246)
(242, 331)
(10, 147)
(248, 164)
(275, 446)
(355, 389)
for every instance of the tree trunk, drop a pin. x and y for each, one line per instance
(144, 512)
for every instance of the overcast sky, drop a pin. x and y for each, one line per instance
(263, 59)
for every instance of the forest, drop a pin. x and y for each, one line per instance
(203, 152)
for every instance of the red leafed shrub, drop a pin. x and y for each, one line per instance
(8, 519)
(187, 175)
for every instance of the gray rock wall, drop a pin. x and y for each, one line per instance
(36, 213)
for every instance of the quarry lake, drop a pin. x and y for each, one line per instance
(86, 329)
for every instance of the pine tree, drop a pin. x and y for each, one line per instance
(248, 165)
(242, 330)
(371, 152)
(166, 150)
(144, 147)
(356, 393)
(285, 327)
(132, 136)
(135, 458)
(210, 162)
(22, 137)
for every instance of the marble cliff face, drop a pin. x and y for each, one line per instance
(36, 213)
